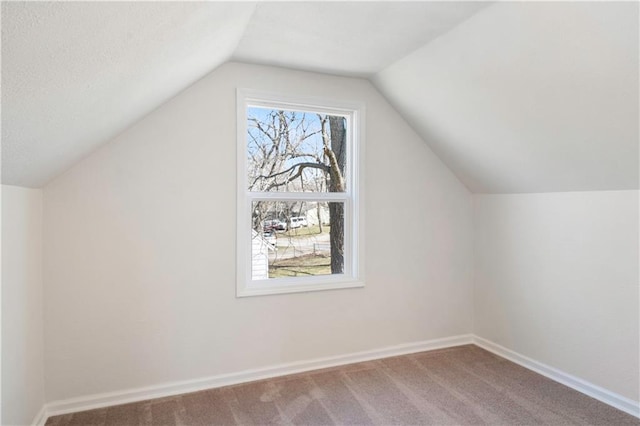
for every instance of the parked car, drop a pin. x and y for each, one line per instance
(267, 226)
(298, 221)
(274, 225)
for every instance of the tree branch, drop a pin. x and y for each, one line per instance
(301, 167)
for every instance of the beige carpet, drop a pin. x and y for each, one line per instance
(458, 386)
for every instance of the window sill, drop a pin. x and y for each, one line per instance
(267, 287)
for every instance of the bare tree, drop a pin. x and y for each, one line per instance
(275, 141)
(281, 157)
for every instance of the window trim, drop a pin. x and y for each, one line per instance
(353, 197)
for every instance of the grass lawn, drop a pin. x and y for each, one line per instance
(301, 266)
(303, 231)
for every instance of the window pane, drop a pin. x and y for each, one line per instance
(296, 239)
(286, 151)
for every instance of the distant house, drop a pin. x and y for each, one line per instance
(260, 256)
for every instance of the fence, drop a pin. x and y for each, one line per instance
(321, 247)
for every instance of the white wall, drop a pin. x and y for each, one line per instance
(556, 279)
(140, 249)
(22, 327)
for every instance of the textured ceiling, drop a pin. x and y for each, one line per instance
(514, 97)
(529, 97)
(346, 38)
(74, 74)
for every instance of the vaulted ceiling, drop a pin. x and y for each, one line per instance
(514, 97)
(529, 97)
(75, 74)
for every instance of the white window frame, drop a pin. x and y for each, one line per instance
(353, 197)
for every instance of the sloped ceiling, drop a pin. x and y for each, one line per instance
(74, 74)
(514, 97)
(529, 97)
(346, 38)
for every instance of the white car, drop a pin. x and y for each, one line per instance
(298, 221)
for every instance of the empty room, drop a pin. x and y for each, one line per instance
(320, 213)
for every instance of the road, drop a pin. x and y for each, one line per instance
(288, 247)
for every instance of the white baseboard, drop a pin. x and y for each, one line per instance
(618, 401)
(41, 418)
(175, 388)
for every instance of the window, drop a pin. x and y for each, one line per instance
(300, 194)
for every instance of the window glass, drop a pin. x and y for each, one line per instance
(286, 151)
(297, 239)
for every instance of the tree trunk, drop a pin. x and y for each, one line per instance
(336, 237)
(337, 157)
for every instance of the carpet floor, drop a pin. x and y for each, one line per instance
(465, 385)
